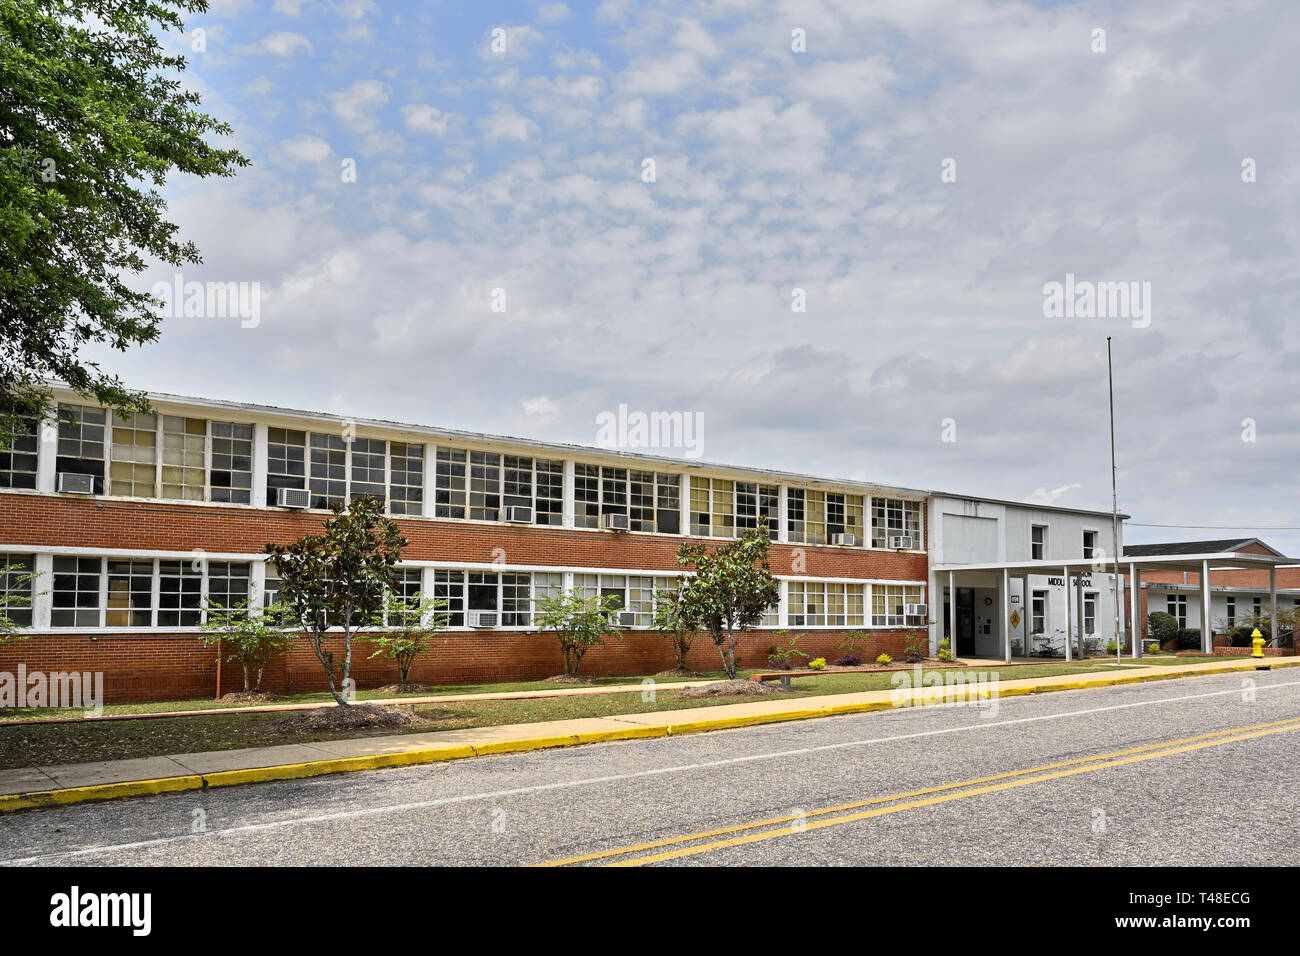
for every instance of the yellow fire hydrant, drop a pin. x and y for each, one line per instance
(1257, 642)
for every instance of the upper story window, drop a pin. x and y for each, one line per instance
(892, 517)
(406, 479)
(286, 458)
(484, 486)
(328, 473)
(134, 469)
(713, 507)
(536, 484)
(369, 468)
(757, 503)
(1090, 544)
(816, 517)
(1038, 542)
(651, 500)
(231, 477)
(18, 451)
(184, 457)
(82, 433)
(449, 493)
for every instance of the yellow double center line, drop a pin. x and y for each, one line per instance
(800, 823)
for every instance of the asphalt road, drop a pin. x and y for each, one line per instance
(1191, 771)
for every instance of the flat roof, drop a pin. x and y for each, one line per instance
(1243, 560)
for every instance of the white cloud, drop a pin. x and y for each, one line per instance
(423, 118)
(506, 123)
(305, 149)
(281, 43)
(553, 12)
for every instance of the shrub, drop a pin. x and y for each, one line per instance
(851, 659)
(1189, 638)
(817, 663)
(912, 652)
(782, 656)
(1164, 626)
(1153, 648)
(1112, 647)
(945, 650)
(884, 660)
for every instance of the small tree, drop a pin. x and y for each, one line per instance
(338, 578)
(677, 620)
(251, 640)
(1164, 626)
(730, 589)
(410, 627)
(15, 587)
(580, 623)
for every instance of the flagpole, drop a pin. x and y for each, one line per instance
(1114, 508)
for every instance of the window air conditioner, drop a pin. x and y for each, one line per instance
(519, 514)
(293, 497)
(915, 610)
(844, 538)
(481, 618)
(627, 618)
(614, 522)
(73, 483)
(901, 542)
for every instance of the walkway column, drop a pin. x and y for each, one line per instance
(1119, 610)
(1069, 651)
(1139, 638)
(1207, 629)
(952, 612)
(1078, 613)
(1272, 601)
(1006, 615)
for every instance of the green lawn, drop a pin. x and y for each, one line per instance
(50, 744)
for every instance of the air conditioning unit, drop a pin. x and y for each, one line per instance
(293, 497)
(519, 514)
(73, 483)
(844, 538)
(615, 522)
(901, 542)
(627, 618)
(481, 618)
(915, 610)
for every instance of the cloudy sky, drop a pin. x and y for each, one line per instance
(505, 147)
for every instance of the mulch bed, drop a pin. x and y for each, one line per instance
(679, 673)
(390, 689)
(351, 717)
(731, 688)
(248, 697)
(565, 679)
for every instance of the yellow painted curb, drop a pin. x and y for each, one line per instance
(10, 803)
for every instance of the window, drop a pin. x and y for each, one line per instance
(450, 587)
(826, 604)
(449, 493)
(1090, 544)
(1232, 611)
(286, 457)
(713, 508)
(406, 479)
(18, 449)
(535, 484)
(586, 496)
(1089, 612)
(180, 586)
(484, 486)
(1038, 613)
(409, 587)
(806, 514)
(16, 572)
(547, 584)
(1255, 606)
(271, 585)
(183, 459)
(229, 582)
(135, 455)
(231, 477)
(843, 516)
(75, 592)
(369, 463)
(651, 500)
(894, 516)
(130, 594)
(81, 442)
(329, 471)
(1177, 606)
(613, 491)
(1038, 542)
(888, 600)
(757, 503)
(516, 601)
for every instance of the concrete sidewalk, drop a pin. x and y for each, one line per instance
(28, 788)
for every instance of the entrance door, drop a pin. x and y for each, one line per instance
(965, 622)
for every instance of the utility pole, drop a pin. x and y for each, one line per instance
(1114, 507)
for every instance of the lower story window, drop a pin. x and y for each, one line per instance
(889, 601)
(16, 588)
(130, 594)
(75, 592)
(180, 592)
(826, 604)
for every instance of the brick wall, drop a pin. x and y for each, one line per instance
(147, 667)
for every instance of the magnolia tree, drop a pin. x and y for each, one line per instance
(730, 589)
(580, 623)
(678, 620)
(247, 638)
(410, 627)
(338, 579)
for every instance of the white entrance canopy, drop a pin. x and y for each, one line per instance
(1132, 562)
